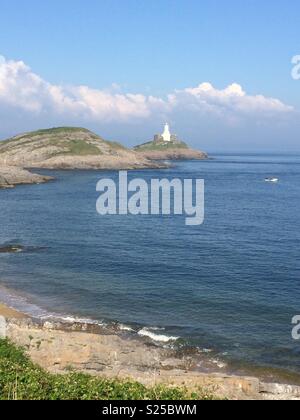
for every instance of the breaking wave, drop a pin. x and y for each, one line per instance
(148, 332)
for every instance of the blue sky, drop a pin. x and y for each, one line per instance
(155, 48)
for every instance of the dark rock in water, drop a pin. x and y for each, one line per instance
(12, 249)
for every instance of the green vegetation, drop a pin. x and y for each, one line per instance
(161, 146)
(70, 147)
(56, 130)
(67, 139)
(114, 145)
(20, 379)
(46, 132)
(78, 148)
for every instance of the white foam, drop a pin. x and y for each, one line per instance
(123, 327)
(145, 332)
(156, 329)
(20, 303)
(72, 319)
(220, 364)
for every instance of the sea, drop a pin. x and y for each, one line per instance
(227, 289)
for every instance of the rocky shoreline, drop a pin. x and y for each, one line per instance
(10, 176)
(97, 350)
(174, 154)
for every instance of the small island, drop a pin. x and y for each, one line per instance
(79, 148)
(68, 148)
(63, 148)
(168, 146)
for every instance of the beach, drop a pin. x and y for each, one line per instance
(7, 312)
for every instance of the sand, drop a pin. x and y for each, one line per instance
(10, 313)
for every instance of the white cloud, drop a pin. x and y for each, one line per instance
(22, 89)
(229, 102)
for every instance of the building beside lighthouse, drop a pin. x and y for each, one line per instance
(166, 136)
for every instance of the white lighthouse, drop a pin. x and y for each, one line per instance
(166, 134)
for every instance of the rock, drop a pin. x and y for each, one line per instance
(11, 176)
(175, 154)
(173, 150)
(2, 327)
(57, 347)
(280, 389)
(6, 249)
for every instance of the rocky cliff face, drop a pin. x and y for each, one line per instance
(174, 150)
(68, 148)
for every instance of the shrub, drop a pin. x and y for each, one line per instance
(21, 379)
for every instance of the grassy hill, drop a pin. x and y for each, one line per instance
(68, 148)
(61, 141)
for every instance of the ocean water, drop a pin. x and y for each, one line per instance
(230, 286)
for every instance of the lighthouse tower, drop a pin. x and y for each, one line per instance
(166, 134)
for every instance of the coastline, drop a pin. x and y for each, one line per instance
(8, 312)
(99, 351)
(184, 358)
(12, 176)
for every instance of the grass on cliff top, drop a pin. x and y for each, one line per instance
(160, 146)
(56, 130)
(47, 131)
(21, 379)
(62, 136)
(77, 148)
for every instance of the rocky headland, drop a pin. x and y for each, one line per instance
(69, 148)
(172, 150)
(79, 148)
(10, 176)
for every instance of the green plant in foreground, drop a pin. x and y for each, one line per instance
(21, 379)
